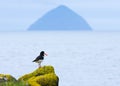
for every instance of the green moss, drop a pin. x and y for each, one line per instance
(38, 72)
(8, 80)
(44, 80)
(44, 76)
(13, 83)
(8, 77)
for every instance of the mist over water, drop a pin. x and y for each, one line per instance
(80, 58)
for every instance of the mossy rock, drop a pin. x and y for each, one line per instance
(40, 71)
(44, 80)
(44, 76)
(14, 83)
(6, 77)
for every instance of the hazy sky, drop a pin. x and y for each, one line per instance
(17, 15)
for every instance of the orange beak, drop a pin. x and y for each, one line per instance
(45, 54)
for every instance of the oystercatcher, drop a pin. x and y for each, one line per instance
(40, 58)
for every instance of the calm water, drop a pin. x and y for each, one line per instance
(79, 58)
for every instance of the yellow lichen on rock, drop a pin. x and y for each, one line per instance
(44, 80)
(7, 77)
(37, 72)
(44, 76)
(33, 82)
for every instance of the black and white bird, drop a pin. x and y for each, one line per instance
(40, 58)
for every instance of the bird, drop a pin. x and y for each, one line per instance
(40, 58)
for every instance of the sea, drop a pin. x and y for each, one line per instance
(80, 58)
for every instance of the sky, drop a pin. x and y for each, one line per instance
(18, 15)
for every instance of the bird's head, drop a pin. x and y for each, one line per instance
(42, 53)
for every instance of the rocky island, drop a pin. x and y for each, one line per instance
(60, 18)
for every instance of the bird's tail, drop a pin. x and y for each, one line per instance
(33, 61)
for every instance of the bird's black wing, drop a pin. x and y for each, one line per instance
(38, 58)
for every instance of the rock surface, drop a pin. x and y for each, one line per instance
(44, 76)
(4, 78)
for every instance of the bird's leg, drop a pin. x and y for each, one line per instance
(39, 65)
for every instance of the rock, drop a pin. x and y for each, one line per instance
(44, 76)
(61, 18)
(6, 78)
